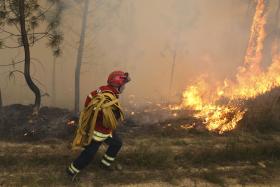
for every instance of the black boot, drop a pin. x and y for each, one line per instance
(105, 167)
(72, 172)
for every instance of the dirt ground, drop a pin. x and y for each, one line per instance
(155, 154)
(195, 160)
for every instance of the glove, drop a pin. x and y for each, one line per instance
(73, 120)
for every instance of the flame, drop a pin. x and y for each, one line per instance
(221, 108)
(192, 98)
(219, 118)
(254, 51)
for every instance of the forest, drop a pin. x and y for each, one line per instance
(196, 81)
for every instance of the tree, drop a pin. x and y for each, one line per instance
(1, 108)
(80, 56)
(178, 47)
(53, 93)
(23, 21)
(180, 22)
(101, 12)
(1, 102)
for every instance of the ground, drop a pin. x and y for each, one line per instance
(155, 154)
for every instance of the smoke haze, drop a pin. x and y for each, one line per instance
(139, 36)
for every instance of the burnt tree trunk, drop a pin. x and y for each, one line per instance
(80, 56)
(27, 60)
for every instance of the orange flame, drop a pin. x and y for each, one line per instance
(254, 51)
(222, 110)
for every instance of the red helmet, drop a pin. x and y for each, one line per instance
(118, 78)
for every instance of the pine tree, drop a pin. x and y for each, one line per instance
(27, 22)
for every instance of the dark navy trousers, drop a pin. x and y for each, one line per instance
(114, 142)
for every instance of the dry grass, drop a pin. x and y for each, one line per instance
(154, 154)
(231, 151)
(246, 159)
(263, 113)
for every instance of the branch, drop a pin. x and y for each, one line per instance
(10, 47)
(12, 10)
(18, 35)
(43, 36)
(13, 34)
(12, 64)
(12, 74)
(43, 12)
(16, 26)
(7, 37)
(33, 43)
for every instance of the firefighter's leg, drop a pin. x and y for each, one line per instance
(115, 144)
(84, 158)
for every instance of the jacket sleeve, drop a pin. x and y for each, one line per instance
(89, 98)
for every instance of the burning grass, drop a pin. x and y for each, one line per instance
(222, 104)
(263, 113)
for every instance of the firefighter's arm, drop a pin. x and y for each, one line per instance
(74, 118)
(89, 98)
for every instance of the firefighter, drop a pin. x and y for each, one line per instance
(97, 124)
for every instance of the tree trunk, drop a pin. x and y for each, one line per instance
(1, 109)
(172, 74)
(80, 57)
(25, 43)
(1, 102)
(54, 82)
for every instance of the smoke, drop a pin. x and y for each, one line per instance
(141, 37)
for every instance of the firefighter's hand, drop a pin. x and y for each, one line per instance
(73, 120)
(70, 122)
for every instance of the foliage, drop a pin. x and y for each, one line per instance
(42, 19)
